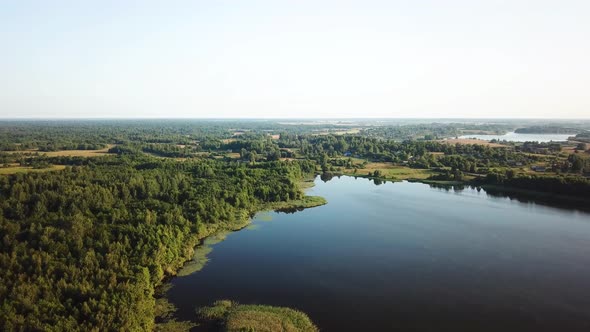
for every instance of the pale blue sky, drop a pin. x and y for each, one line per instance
(295, 58)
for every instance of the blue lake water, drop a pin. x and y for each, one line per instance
(516, 137)
(408, 257)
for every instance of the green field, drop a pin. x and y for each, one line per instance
(69, 153)
(390, 171)
(28, 169)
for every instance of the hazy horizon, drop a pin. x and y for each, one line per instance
(306, 60)
(320, 119)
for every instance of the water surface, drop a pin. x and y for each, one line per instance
(516, 137)
(407, 257)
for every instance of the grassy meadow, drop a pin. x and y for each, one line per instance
(69, 153)
(234, 317)
(389, 171)
(24, 169)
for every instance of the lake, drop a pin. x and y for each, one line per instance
(409, 257)
(516, 137)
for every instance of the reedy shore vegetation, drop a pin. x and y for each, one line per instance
(230, 316)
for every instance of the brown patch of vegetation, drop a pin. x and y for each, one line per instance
(337, 132)
(572, 149)
(478, 132)
(69, 153)
(471, 141)
(233, 155)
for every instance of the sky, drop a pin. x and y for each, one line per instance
(294, 59)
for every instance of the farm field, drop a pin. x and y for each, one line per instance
(391, 171)
(25, 169)
(69, 153)
(471, 141)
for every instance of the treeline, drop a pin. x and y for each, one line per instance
(155, 149)
(416, 153)
(250, 146)
(52, 135)
(471, 158)
(584, 136)
(547, 130)
(82, 249)
(453, 162)
(96, 134)
(33, 159)
(169, 151)
(430, 131)
(564, 185)
(51, 146)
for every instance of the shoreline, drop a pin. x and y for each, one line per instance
(244, 221)
(535, 195)
(409, 179)
(540, 196)
(311, 202)
(240, 223)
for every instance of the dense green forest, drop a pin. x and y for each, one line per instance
(83, 248)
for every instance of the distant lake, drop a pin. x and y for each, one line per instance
(408, 257)
(516, 137)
